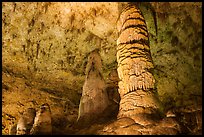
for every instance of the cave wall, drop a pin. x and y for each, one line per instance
(45, 47)
(177, 54)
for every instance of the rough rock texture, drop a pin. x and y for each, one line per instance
(45, 48)
(43, 121)
(139, 108)
(94, 99)
(25, 122)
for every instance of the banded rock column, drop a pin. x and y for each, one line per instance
(140, 110)
(136, 85)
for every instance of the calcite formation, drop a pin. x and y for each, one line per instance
(43, 121)
(25, 122)
(136, 83)
(94, 98)
(140, 108)
(45, 46)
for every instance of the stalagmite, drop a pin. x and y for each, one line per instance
(25, 122)
(139, 101)
(94, 98)
(43, 122)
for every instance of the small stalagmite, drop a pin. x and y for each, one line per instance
(94, 98)
(42, 123)
(25, 122)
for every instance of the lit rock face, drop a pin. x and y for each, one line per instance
(94, 98)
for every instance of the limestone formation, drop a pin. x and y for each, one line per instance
(25, 122)
(44, 46)
(112, 86)
(42, 123)
(136, 83)
(94, 98)
(139, 102)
